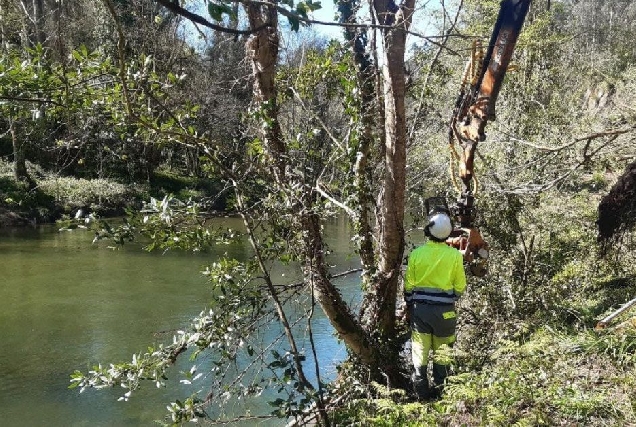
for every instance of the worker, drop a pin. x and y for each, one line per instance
(435, 279)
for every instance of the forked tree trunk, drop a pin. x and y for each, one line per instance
(263, 50)
(360, 338)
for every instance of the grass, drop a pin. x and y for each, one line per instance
(56, 196)
(184, 187)
(97, 195)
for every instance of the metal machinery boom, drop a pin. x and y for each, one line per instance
(475, 105)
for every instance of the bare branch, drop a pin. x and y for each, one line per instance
(341, 205)
(26, 12)
(280, 311)
(551, 154)
(175, 8)
(318, 119)
(441, 47)
(589, 138)
(609, 132)
(121, 43)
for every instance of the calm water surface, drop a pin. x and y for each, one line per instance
(66, 304)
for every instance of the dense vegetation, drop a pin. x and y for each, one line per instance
(109, 104)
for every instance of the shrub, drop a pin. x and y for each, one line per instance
(97, 195)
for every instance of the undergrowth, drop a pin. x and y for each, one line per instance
(553, 378)
(55, 196)
(528, 352)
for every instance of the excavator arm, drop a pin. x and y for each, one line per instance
(475, 106)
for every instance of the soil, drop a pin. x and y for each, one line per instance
(12, 219)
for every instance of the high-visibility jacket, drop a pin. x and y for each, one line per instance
(435, 274)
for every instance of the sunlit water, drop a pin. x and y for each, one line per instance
(66, 304)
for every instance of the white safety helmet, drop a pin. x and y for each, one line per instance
(439, 226)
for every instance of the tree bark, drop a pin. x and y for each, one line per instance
(328, 296)
(380, 301)
(4, 40)
(38, 21)
(366, 73)
(20, 172)
(262, 49)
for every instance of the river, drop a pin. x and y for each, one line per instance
(67, 304)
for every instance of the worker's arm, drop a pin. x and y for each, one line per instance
(408, 283)
(459, 280)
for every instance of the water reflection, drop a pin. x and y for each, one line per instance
(66, 304)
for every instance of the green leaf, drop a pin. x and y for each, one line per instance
(276, 402)
(303, 8)
(313, 6)
(216, 11)
(294, 23)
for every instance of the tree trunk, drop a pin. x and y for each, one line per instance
(38, 21)
(57, 39)
(366, 72)
(328, 296)
(4, 40)
(20, 172)
(380, 301)
(262, 49)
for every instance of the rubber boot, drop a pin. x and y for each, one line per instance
(420, 384)
(440, 372)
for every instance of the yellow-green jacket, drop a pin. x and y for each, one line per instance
(435, 274)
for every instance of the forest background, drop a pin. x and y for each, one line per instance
(109, 106)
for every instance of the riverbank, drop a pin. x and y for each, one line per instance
(11, 219)
(53, 197)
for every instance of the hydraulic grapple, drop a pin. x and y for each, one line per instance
(475, 106)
